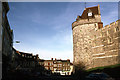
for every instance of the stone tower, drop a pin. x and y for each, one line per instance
(93, 44)
(89, 21)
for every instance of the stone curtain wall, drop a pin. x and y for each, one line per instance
(107, 45)
(93, 47)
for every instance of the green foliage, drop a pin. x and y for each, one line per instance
(101, 68)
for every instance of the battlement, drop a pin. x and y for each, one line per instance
(111, 26)
(113, 23)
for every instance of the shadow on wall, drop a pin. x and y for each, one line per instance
(80, 71)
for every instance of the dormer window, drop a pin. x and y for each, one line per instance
(89, 13)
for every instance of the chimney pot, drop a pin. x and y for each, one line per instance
(51, 58)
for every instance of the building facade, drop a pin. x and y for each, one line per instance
(0, 39)
(58, 66)
(25, 61)
(6, 38)
(93, 44)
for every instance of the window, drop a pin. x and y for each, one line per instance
(69, 69)
(66, 69)
(68, 64)
(51, 68)
(95, 25)
(55, 65)
(30, 56)
(22, 55)
(46, 63)
(90, 14)
(59, 65)
(51, 64)
(55, 69)
(117, 29)
(47, 68)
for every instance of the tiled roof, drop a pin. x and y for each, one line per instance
(71, 63)
(85, 12)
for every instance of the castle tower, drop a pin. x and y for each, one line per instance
(83, 30)
(93, 44)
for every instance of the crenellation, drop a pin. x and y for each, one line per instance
(112, 24)
(106, 26)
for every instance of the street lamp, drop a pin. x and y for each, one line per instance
(17, 41)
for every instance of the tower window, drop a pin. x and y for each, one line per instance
(95, 25)
(89, 13)
(116, 29)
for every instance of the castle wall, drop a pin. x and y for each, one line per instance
(107, 51)
(82, 43)
(93, 47)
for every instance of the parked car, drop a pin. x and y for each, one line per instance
(98, 76)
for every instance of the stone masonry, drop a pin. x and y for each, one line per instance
(94, 45)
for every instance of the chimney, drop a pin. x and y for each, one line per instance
(51, 58)
(98, 9)
(68, 59)
(100, 25)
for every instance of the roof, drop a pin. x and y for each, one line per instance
(25, 53)
(95, 10)
(71, 63)
(41, 60)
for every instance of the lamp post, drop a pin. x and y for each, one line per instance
(16, 42)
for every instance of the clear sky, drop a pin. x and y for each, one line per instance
(45, 28)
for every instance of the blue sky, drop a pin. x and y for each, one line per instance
(44, 28)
